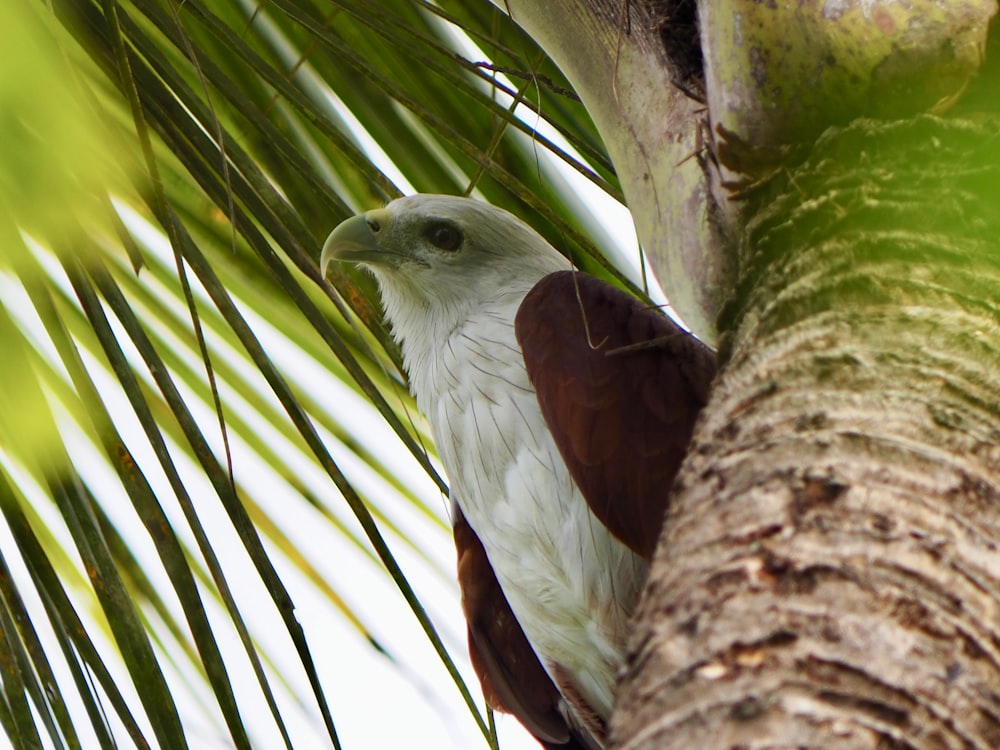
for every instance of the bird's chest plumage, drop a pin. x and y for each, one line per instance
(572, 586)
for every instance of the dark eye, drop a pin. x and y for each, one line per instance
(444, 236)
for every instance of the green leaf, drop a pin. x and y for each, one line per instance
(172, 316)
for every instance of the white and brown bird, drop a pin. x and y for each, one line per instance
(561, 408)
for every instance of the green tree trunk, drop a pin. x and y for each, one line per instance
(829, 574)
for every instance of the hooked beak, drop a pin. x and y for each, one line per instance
(355, 240)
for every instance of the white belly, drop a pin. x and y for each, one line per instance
(572, 585)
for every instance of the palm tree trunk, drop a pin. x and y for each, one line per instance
(829, 574)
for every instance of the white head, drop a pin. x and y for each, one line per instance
(439, 258)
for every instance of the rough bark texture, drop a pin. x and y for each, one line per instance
(829, 575)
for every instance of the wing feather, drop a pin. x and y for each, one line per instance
(512, 677)
(620, 386)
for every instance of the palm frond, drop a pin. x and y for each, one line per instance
(206, 449)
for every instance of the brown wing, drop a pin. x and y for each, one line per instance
(620, 386)
(512, 677)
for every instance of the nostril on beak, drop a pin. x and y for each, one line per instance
(373, 225)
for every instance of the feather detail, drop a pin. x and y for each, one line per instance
(620, 386)
(512, 677)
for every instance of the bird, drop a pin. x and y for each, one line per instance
(561, 408)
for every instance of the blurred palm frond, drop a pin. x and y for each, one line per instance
(207, 452)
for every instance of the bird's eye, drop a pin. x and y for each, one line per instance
(444, 236)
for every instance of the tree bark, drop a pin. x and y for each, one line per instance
(829, 574)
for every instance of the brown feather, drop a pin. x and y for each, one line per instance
(620, 386)
(511, 675)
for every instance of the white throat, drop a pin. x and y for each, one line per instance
(425, 323)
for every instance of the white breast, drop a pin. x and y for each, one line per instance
(572, 586)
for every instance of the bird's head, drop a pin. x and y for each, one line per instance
(441, 255)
